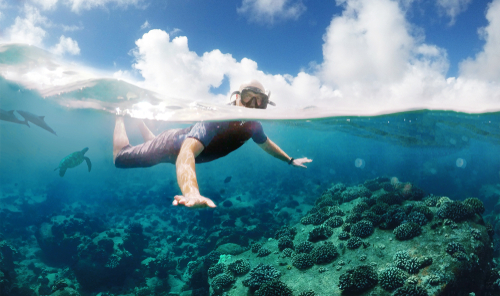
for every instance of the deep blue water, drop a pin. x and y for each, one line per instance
(425, 148)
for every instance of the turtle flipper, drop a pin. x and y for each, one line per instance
(62, 171)
(89, 164)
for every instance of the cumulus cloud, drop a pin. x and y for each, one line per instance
(66, 45)
(355, 49)
(453, 8)
(373, 62)
(486, 64)
(170, 68)
(28, 29)
(269, 11)
(363, 71)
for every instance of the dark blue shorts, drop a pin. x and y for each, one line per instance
(162, 149)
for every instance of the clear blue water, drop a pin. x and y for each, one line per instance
(442, 152)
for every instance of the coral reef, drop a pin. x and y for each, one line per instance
(378, 238)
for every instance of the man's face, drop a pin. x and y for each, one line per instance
(251, 99)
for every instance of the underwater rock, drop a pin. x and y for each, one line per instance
(412, 250)
(60, 237)
(231, 249)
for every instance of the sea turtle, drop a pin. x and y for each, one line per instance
(72, 161)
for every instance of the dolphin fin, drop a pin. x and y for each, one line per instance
(11, 112)
(89, 164)
(26, 122)
(41, 117)
(56, 169)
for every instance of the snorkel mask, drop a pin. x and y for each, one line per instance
(252, 95)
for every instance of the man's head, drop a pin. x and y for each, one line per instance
(252, 95)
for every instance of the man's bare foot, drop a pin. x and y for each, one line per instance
(193, 200)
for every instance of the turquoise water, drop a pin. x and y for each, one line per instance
(445, 153)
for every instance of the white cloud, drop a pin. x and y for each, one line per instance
(66, 45)
(72, 28)
(78, 5)
(145, 25)
(357, 47)
(269, 11)
(46, 4)
(28, 30)
(486, 64)
(170, 68)
(373, 62)
(453, 8)
(174, 32)
(364, 71)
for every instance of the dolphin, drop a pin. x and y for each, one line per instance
(37, 120)
(9, 116)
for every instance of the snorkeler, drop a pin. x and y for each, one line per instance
(202, 142)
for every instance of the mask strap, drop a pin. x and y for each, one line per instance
(236, 92)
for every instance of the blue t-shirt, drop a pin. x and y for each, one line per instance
(222, 137)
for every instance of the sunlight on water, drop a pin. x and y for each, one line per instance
(75, 86)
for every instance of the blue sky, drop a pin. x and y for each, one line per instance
(409, 52)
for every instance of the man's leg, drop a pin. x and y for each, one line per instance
(120, 138)
(147, 135)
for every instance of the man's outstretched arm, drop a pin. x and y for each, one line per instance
(186, 176)
(271, 148)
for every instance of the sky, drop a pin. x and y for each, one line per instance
(364, 55)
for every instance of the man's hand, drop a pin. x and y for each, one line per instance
(299, 162)
(193, 200)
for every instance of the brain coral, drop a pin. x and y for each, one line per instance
(362, 229)
(314, 219)
(324, 253)
(274, 288)
(288, 252)
(476, 205)
(418, 218)
(355, 192)
(285, 231)
(256, 247)
(222, 282)
(404, 261)
(305, 247)
(320, 233)
(410, 290)
(344, 235)
(263, 252)
(334, 222)
(285, 242)
(358, 279)
(392, 278)
(354, 243)
(216, 269)
(260, 275)
(455, 210)
(407, 231)
(302, 261)
(360, 207)
(239, 267)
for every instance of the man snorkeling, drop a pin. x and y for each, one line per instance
(202, 142)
